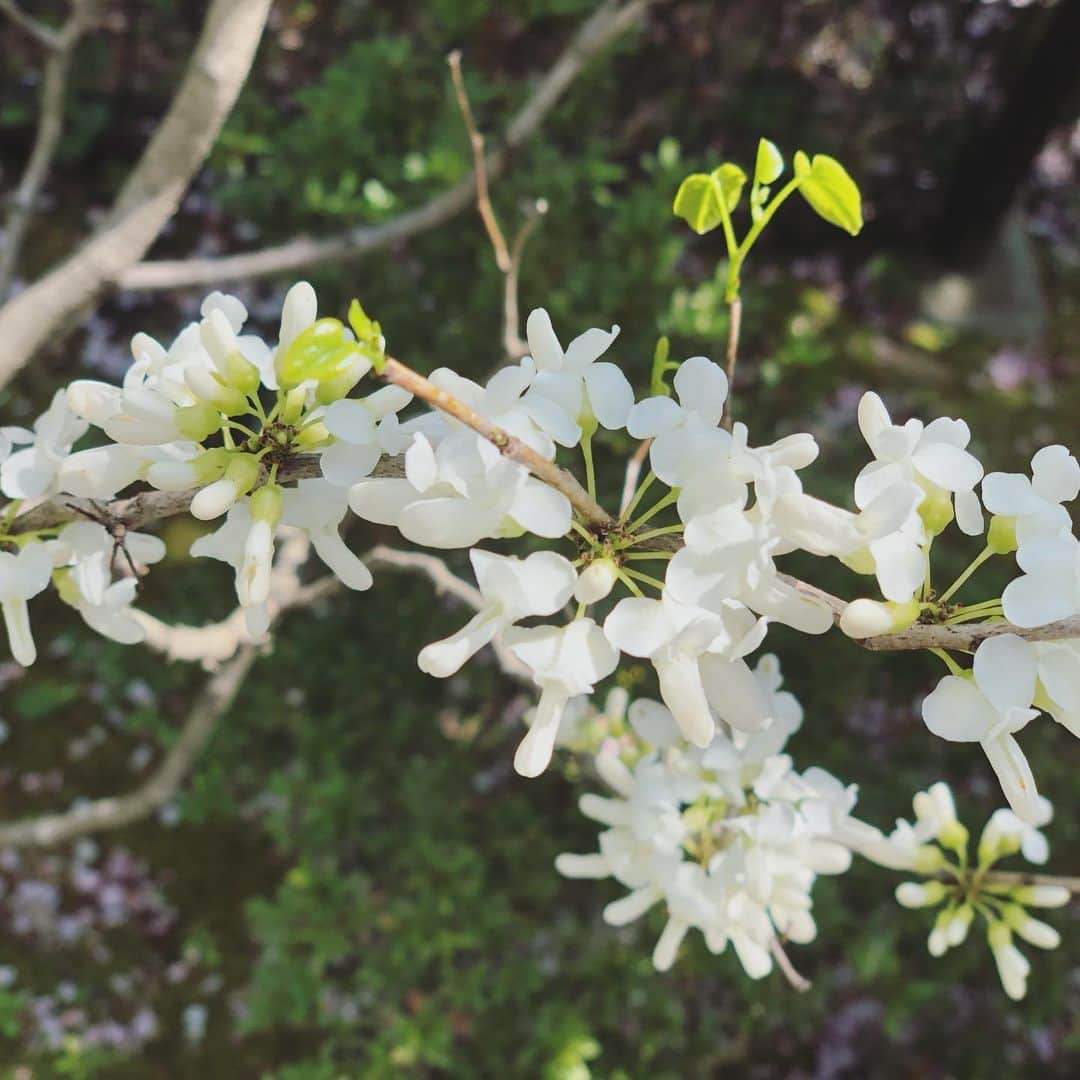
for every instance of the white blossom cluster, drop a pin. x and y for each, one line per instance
(711, 817)
(935, 844)
(729, 837)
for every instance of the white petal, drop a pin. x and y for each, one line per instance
(653, 722)
(1014, 773)
(1037, 599)
(639, 626)
(534, 751)
(1005, 671)
(541, 509)
(543, 344)
(1009, 494)
(652, 416)
(703, 387)
(443, 658)
(900, 566)
(734, 693)
(684, 695)
(947, 466)
(339, 558)
(610, 395)
(1056, 474)
(873, 417)
(382, 500)
(351, 420)
(969, 515)
(589, 346)
(667, 946)
(955, 710)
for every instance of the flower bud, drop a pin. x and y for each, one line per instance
(311, 436)
(215, 499)
(208, 387)
(958, 925)
(292, 408)
(1012, 965)
(596, 581)
(197, 422)
(914, 894)
(325, 350)
(1000, 838)
(864, 618)
(1044, 896)
(928, 859)
(1034, 931)
(1001, 536)
(198, 472)
(265, 504)
(240, 373)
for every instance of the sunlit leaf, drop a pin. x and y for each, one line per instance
(698, 199)
(769, 164)
(827, 187)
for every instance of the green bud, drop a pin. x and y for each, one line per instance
(243, 471)
(322, 351)
(198, 422)
(266, 505)
(293, 406)
(369, 336)
(930, 859)
(954, 836)
(1001, 536)
(66, 588)
(312, 436)
(331, 390)
(240, 373)
(936, 511)
(210, 465)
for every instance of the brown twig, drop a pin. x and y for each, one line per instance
(476, 140)
(783, 962)
(1010, 877)
(149, 197)
(507, 259)
(734, 329)
(633, 471)
(45, 36)
(604, 26)
(61, 46)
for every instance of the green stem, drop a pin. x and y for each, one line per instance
(584, 534)
(974, 616)
(644, 578)
(927, 585)
(661, 504)
(766, 217)
(13, 509)
(590, 472)
(950, 663)
(979, 559)
(667, 530)
(631, 506)
(643, 555)
(629, 583)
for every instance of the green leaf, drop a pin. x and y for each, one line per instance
(321, 352)
(769, 164)
(698, 199)
(827, 187)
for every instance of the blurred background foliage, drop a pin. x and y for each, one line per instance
(354, 884)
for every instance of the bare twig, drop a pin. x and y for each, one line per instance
(149, 197)
(734, 329)
(1011, 877)
(45, 36)
(514, 345)
(783, 962)
(114, 812)
(633, 471)
(50, 125)
(476, 140)
(603, 27)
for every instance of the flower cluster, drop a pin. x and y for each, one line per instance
(729, 837)
(936, 846)
(710, 815)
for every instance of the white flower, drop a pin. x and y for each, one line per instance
(1036, 503)
(511, 589)
(31, 472)
(676, 637)
(101, 472)
(316, 507)
(886, 527)
(565, 661)
(22, 577)
(1049, 588)
(570, 386)
(91, 552)
(990, 709)
(933, 455)
(1059, 681)
(365, 429)
(686, 432)
(460, 492)
(1004, 825)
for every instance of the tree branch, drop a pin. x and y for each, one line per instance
(50, 126)
(603, 27)
(148, 199)
(44, 35)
